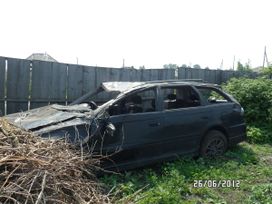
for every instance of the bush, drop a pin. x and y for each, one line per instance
(255, 95)
(259, 134)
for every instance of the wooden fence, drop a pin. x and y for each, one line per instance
(211, 75)
(26, 84)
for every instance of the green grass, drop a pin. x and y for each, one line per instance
(172, 182)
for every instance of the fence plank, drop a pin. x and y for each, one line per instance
(103, 75)
(89, 81)
(145, 75)
(75, 82)
(154, 74)
(124, 74)
(18, 77)
(202, 74)
(42, 80)
(181, 73)
(58, 87)
(218, 76)
(2, 85)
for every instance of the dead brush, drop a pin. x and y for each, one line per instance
(35, 170)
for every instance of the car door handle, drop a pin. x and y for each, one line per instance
(205, 117)
(154, 124)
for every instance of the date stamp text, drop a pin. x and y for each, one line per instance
(228, 183)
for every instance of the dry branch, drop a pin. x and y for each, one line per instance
(35, 170)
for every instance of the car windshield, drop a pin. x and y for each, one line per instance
(100, 97)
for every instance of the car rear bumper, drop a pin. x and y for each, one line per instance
(237, 134)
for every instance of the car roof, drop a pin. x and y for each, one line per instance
(124, 86)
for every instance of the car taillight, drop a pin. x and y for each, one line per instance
(242, 111)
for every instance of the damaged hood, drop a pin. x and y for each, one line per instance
(52, 117)
(119, 86)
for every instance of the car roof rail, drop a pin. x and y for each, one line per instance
(176, 80)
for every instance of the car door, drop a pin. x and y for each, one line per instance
(225, 111)
(138, 127)
(184, 119)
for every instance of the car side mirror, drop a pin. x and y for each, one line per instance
(93, 105)
(110, 129)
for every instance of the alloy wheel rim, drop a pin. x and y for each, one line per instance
(215, 147)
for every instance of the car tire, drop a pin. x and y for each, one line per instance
(214, 144)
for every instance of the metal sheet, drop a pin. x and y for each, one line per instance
(18, 79)
(48, 115)
(69, 123)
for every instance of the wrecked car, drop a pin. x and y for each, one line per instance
(144, 122)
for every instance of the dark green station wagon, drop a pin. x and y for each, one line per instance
(144, 122)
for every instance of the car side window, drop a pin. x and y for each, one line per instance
(212, 96)
(140, 102)
(179, 97)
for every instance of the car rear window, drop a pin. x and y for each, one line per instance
(212, 96)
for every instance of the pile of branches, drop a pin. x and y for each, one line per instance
(36, 170)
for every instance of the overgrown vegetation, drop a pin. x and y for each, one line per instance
(255, 95)
(173, 182)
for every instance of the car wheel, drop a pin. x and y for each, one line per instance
(214, 144)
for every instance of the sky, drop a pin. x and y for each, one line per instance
(147, 33)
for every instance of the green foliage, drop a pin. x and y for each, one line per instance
(173, 182)
(243, 68)
(261, 194)
(259, 135)
(267, 72)
(255, 95)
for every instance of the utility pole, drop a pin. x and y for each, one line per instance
(123, 63)
(221, 65)
(233, 64)
(265, 58)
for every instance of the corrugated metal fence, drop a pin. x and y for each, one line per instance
(26, 84)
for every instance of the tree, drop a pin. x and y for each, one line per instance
(197, 66)
(142, 67)
(170, 66)
(267, 72)
(244, 68)
(240, 66)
